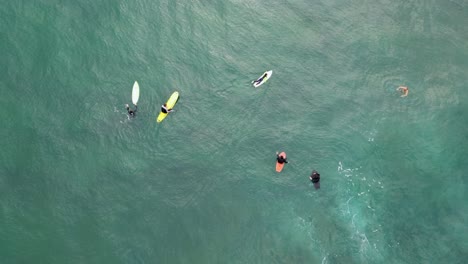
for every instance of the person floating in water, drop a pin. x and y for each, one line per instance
(280, 158)
(315, 176)
(131, 112)
(315, 179)
(404, 90)
(259, 80)
(166, 110)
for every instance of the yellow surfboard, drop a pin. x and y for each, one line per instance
(170, 104)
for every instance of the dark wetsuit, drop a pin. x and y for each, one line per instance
(165, 110)
(131, 112)
(281, 159)
(315, 177)
(261, 78)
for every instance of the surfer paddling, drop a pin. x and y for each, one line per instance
(259, 80)
(131, 112)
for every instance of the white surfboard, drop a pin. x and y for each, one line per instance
(135, 93)
(257, 84)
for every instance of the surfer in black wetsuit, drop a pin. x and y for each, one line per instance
(280, 158)
(261, 78)
(165, 110)
(131, 112)
(315, 178)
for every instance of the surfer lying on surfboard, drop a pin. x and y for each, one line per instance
(259, 80)
(131, 112)
(166, 110)
(280, 159)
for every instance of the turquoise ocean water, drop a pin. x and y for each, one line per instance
(80, 182)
